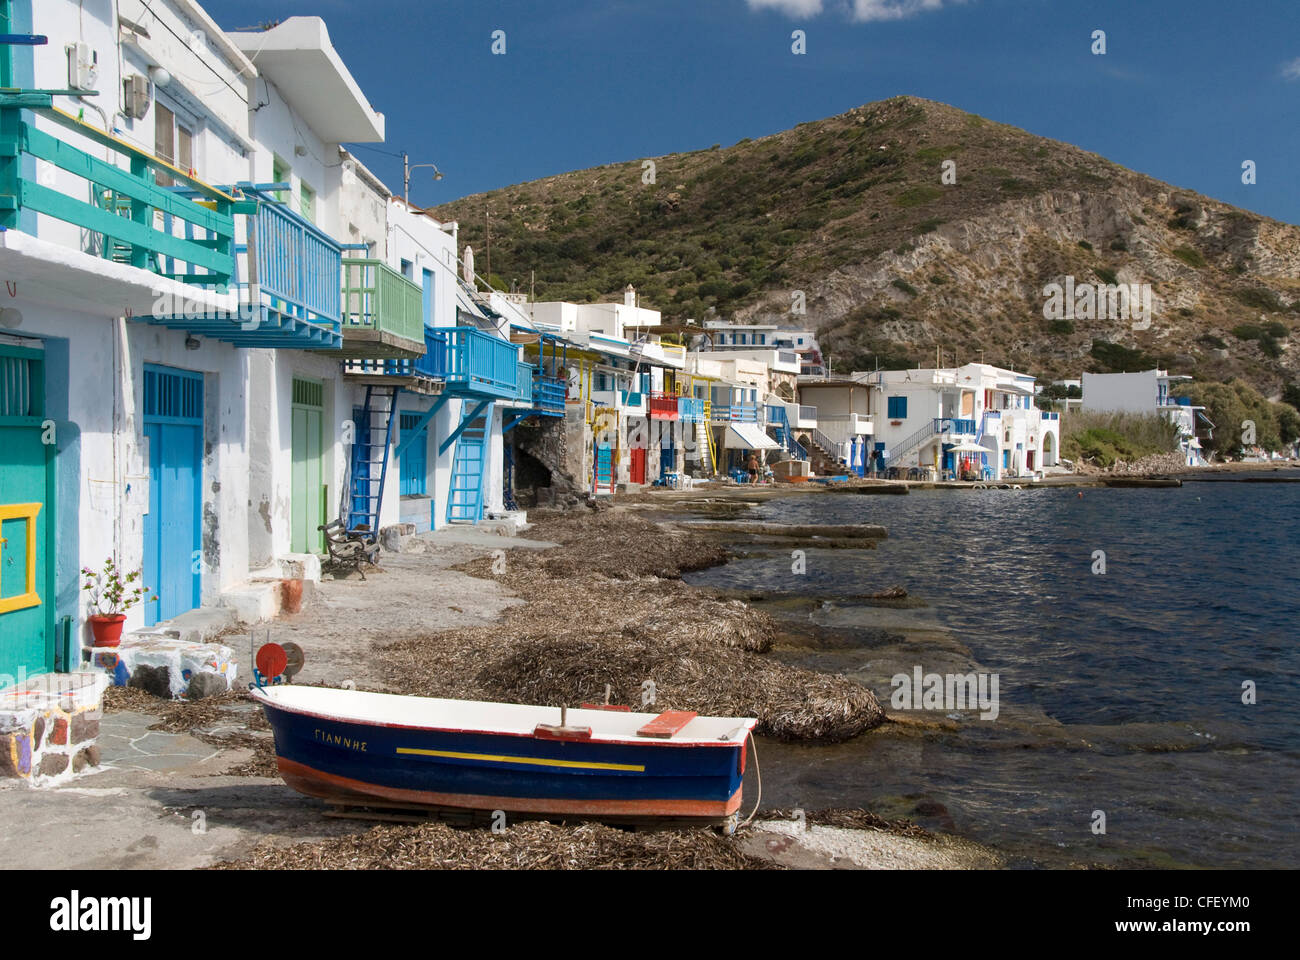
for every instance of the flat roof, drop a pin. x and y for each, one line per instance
(298, 57)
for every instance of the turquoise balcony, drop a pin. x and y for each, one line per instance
(185, 233)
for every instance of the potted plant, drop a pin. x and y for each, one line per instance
(112, 593)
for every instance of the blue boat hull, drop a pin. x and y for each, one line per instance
(346, 761)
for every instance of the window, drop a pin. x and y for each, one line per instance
(408, 270)
(172, 141)
(280, 174)
(897, 408)
(307, 202)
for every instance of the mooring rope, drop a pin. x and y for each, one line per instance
(758, 772)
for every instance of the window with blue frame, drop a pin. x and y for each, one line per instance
(415, 459)
(897, 408)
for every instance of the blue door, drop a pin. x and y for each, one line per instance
(173, 430)
(415, 458)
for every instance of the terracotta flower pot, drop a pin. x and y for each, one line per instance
(107, 629)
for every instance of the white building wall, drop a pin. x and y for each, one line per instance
(1121, 392)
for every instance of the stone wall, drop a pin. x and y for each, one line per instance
(49, 725)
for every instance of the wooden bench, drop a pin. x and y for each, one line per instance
(349, 548)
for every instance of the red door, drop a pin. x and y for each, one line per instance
(636, 468)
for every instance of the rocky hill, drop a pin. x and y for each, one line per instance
(895, 264)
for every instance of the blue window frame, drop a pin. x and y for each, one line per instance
(897, 408)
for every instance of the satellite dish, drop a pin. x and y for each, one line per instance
(467, 262)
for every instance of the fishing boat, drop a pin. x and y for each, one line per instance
(351, 747)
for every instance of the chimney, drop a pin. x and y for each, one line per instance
(629, 296)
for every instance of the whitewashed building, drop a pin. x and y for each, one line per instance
(197, 276)
(1149, 392)
(977, 419)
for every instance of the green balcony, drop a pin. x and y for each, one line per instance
(383, 313)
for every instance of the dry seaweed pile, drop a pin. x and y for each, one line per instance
(582, 631)
(602, 543)
(524, 846)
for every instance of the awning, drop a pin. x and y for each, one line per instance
(749, 437)
(1013, 388)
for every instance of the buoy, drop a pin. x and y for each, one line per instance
(1080, 494)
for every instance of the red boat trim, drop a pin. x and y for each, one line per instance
(331, 786)
(492, 733)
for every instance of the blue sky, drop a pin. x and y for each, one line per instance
(1186, 91)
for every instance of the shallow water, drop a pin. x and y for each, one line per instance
(1119, 692)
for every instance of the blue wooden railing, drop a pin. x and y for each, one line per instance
(297, 266)
(548, 394)
(742, 412)
(481, 364)
(954, 425)
(523, 381)
(690, 409)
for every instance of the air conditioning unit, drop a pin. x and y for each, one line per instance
(83, 67)
(136, 90)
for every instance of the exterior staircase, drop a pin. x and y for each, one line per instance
(369, 461)
(822, 456)
(465, 496)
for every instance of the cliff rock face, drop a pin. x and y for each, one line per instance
(914, 228)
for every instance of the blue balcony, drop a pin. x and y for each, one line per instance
(290, 296)
(548, 395)
(742, 412)
(481, 365)
(690, 410)
(950, 425)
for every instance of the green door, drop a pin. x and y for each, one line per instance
(309, 491)
(26, 517)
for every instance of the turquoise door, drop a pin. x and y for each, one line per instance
(173, 428)
(26, 517)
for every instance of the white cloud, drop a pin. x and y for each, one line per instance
(1291, 69)
(868, 10)
(861, 11)
(791, 8)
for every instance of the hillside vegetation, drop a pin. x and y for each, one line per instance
(894, 264)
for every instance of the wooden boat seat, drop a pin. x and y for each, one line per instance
(667, 724)
(620, 707)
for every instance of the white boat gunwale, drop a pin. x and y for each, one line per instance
(729, 726)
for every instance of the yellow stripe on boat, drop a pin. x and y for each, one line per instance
(537, 761)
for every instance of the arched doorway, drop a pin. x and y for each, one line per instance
(1049, 449)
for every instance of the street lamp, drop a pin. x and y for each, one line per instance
(407, 167)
